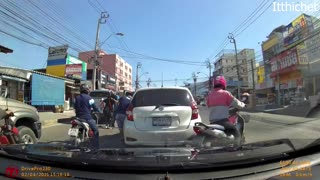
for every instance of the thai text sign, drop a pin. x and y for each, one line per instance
(74, 70)
(284, 60)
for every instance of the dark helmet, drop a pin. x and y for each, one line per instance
(84, 88)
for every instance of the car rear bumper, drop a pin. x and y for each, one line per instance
(133, 136)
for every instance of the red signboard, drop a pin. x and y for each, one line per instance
(284, 61)
(74, 71)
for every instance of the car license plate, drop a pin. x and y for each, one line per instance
(161, 121)
(73, 132)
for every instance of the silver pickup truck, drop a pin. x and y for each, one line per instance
(26, 118)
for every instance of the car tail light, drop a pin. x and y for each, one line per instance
(15, 131)
(74, 123)
(197, 130)
(4, 140)
(129, 113)
(195, 111)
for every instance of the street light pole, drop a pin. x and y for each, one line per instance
(137, 75)
(253, 84)
(209, 66)
(278, 77)
(148, 82)
(114, 34)
(232, 40)
(101, 20)
(195, 84)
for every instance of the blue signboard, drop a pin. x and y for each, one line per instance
(47, 90)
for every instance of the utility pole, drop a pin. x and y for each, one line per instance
(148, 82)
(278, 78)
(254, 85)
(195, 84)
(102, 20)
(232, 40)
(137, 75)
(209, 66)
(162, 79)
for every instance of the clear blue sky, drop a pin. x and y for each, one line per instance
(186, 30)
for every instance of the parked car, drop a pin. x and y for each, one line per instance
(26, 118)
(161, 117)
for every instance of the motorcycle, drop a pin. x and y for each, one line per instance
(8, 133)
(214, 135)
(80, 132)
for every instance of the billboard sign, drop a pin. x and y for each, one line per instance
(302, 53)
(74, 60)
(58, 52)
(74, 71)
(284, 60)
(297, 30)
(58, 70)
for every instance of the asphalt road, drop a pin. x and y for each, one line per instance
(258, 129)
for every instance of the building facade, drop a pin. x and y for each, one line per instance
(226, 65)
(114, 72)
(285, 58)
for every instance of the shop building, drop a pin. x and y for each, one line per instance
(115, 71)
(61, 64)
(226, 65)
(285, 56)
(41, 90)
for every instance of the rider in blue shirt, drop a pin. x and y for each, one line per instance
(83, 104)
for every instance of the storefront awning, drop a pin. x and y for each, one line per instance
(13, 78)
(5, 50)
(26, 74)
(18, 73)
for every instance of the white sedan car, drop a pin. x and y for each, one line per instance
(161, 117)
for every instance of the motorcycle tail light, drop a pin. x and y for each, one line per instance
(197, 130)
(91, 133)
(15, 131)
(4, 140)
(74, 123)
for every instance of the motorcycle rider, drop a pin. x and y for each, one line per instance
(83, 105)
(108, 109)
(218, 101)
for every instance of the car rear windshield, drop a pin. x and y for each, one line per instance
(162, 96)
(99, 94)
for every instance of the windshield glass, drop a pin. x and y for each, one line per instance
(162, 97)
(99, 94)
(128, 81)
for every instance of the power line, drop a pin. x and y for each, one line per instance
(94, 7)
(172, 80)
(101, 5)
(261, 5)
(253, 20)
(162, 59)
(21, 39)
(34, 25)
(225, 42)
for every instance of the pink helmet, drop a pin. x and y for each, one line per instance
(220, 80)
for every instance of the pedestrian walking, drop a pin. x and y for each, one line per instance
(121, 111)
